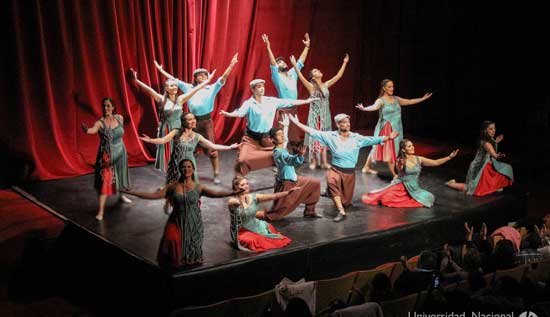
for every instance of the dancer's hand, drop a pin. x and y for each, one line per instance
(346, 58)
(426, 96)
(223, 113)
(84, 127)
(294, 189)
(306, 40)
(158, 66)
(134, 74)
(483, 231)
(210, 76)
(266, 40)
(235, 145)
(500, 156)
(145, 138)
(293, 118)
(499, 138)
(393, 135)
(235, 59)
(285, 122)
(310, 100)
(293, 60)
(361, 107)
(469, 231)
(453, 153)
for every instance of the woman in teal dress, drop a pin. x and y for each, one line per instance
(389, 119)
(181, 243)
(487, 174)
(247, 231)
(319, 116)
(111, 167)
(185, 143)
(170, 108)
(405, 190)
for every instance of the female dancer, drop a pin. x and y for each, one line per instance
(319, 116)
(170, 109)
(111, 165)
(405, 190)
(181, 243)
(247, 231)
(389, 119)
(202, 105)
(185, 142)
(486, 174)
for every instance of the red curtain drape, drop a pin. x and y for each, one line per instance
(64, 56)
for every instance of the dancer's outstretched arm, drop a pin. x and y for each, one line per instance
(163, 72)
(148, 90)
(303, 79)
(216, 193)
(408, 102)
(340, 73)
(491, 150)
(268, 197)
(375, 106)
(307, 43)
(294, 119)
(429, 162)
(204, 142)
(92, 130)
(272, 60)
(234, 61)
(165, 139)
(148, 195)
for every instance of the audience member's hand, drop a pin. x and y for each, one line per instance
(469, 231)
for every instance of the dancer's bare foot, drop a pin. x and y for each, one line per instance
(325, 166)
(312, 165)
(395, 177)
(99, 216)
(125, 199)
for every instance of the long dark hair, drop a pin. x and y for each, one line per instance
(180, 169)
(183, 121)
(316, 86)
(383, 84)
(103, 104)
(483, 136)
(401, 161)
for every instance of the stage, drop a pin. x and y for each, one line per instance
(119, 253)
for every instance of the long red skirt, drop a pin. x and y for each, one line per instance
(392, 196)
(257, 242)
(385, 152)
(491, 181)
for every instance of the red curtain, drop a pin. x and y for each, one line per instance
(64, 56)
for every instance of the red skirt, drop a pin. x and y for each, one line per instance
(490, 181)
(392, 196)
(257, 242)
(385, 152)
(107, 187)
(171, 246)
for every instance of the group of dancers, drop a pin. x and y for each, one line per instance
(263, 145)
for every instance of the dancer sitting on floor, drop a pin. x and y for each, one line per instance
(405, 190)
(181, 243)
(487, 174)
(111, 166)
(344, 146)
(286, 178)
(247, 231)
(389, 119)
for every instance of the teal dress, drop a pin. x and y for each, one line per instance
(170, 119)
(409, 178)
(183, 149)
(477, 166)
(111, 168)
(181, 243)
(388, 113)
(252, 234)
(319, 117)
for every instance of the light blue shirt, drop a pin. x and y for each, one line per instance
(345, 153)
(287, 86)
(202, 102)
(260, 115)
(285, 163)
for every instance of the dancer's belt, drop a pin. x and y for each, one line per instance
(255, 135)
(203, 117)
(285, 180)
(344, 170)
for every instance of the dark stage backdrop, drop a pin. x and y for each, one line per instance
(61, 57)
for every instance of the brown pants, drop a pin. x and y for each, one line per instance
(254, 155)
(309, 195)
(341, 184)
(206, 129)
(293, 130)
